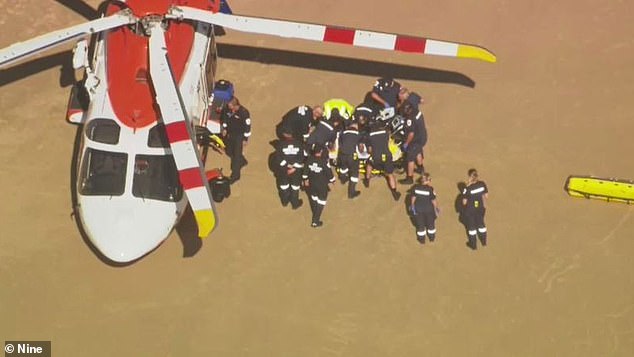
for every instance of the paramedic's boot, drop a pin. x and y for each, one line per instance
(409, 180)
(285, 195)
(352, 189)
(472, 243)
(482, 235)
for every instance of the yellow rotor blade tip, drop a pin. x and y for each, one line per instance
(468, 51)
(206, 221)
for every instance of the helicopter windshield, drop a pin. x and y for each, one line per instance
(156, 177)
(103, 173)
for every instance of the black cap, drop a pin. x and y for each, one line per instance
(414, 98)
(286, 129)
(407, 109)
(335, 115)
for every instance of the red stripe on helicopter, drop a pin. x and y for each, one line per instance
(190, 178)
(177, 132)
(410, 44)
(339, 35)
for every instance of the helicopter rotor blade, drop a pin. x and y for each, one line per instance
(179, 134)
(38, 44)
(336, 34)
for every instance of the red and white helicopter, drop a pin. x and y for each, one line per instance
(149, 75)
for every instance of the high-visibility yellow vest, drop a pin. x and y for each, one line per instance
(345, 109)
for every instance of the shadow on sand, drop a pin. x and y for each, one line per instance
(340, 64)
(63, 60)
(81, 8)
(459, 208)
(187, 230)
(406, 204)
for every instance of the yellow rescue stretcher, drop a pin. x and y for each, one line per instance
(609, 190)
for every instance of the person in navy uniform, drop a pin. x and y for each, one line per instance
(347, 159)
(380, 157)
(236, 129)
(415, 139)
(385, 92)
(291, 152)
(364, 115)
(325, 132)
(474, 198)
(299, 120)
(405, 95)
(317, 178)
(424, 208)
(415, 99)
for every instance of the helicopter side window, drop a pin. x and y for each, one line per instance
(156, 177)
(157, 137)
(103, 173)
(104, 131)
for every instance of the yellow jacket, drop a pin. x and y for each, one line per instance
(345, 109)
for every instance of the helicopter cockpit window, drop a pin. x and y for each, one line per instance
(157, 137)
(103, 173)
(104, 131)
(156, 177)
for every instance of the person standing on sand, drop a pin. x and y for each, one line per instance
(317, 179)
(474, 198)
(236, 129)
(424, 208)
